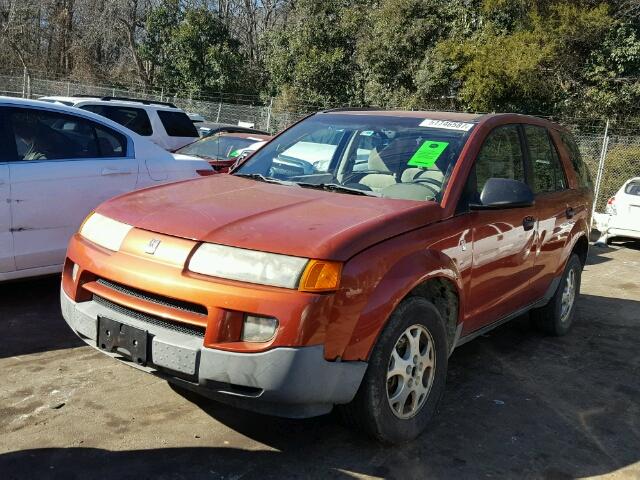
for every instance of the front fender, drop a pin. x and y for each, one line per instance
(372, 290)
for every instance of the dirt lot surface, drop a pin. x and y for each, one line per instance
(518, 405)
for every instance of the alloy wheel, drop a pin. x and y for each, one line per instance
(411, 371)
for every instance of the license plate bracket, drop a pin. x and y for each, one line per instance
(128, 341)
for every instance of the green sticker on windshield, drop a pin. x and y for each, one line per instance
(234, 154)
(427, 154)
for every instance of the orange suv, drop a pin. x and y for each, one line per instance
(341, 264)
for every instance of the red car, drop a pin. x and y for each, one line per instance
(340, 264)
(221, 149)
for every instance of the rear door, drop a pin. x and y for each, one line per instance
(66, 165)
(557, 206)
(7, 263)
(504, 240)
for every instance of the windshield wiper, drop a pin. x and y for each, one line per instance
(336, 187)
(262, 178)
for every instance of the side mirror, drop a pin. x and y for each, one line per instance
(504, 193)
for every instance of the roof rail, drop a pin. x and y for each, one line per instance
(352, 109)
(144, 102)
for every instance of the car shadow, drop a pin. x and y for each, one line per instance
(30, 318)
(626, 243)
(517, 405)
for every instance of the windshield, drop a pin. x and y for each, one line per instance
(220, 147)
(380, 155)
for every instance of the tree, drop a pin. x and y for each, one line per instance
(312, 61)
(191, 50)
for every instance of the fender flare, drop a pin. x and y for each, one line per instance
(398, 281)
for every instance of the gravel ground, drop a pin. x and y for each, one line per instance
(518, 404)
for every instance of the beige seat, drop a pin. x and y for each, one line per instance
(377, 181)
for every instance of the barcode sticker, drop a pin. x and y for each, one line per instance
(447, 125)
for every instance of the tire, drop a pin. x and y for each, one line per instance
(371, 409)
(553, 319)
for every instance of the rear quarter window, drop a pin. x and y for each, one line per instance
(633, 188)
(135, 119)
(584, 177)
(177, 124)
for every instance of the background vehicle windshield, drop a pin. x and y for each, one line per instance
(380, 155)
(217, 146)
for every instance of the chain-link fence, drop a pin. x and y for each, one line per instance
(611, 159)
(223, 108)
(611, 152)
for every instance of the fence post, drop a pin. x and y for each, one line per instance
(219, 110)
(24, 82)
(68, 89)
(603, 156)
(269, 115)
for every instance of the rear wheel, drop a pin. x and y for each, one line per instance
(556, 318)
(406, 375)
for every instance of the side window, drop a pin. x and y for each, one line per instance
(500, 156)
(584, 177)
(135, 119)
(548, 174)
(7, 147)
(43, 135)
(110, 143)
(177, 124)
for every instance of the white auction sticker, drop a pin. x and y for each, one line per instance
(447, 125)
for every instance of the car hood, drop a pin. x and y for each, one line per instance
(245, 213)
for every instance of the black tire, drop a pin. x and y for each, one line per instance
(370, 410)
(549, 318)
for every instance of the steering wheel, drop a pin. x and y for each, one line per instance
(430, 181)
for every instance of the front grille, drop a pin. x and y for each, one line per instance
(143, 317)
(152, 298)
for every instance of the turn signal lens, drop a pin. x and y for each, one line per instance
(321, 276)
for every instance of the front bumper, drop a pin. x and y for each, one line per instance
(290, 382)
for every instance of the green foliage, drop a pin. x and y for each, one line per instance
(192, 50)
(311, 58)
(550, 57)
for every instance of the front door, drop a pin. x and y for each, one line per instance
(504, 240)
(66, 167)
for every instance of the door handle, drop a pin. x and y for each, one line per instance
(570, 212)
(528, 223)
(114, 171)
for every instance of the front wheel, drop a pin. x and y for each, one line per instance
(406, 375)
(556, 318)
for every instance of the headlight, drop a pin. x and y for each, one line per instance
(104, 231)
(248, 265)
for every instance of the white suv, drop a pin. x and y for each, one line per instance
(161, 122)
(58, 163)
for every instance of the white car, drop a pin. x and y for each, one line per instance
(58, 163)
(161, 122)
(622, 215)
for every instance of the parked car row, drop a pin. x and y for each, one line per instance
(57, 163)
(340, 264)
